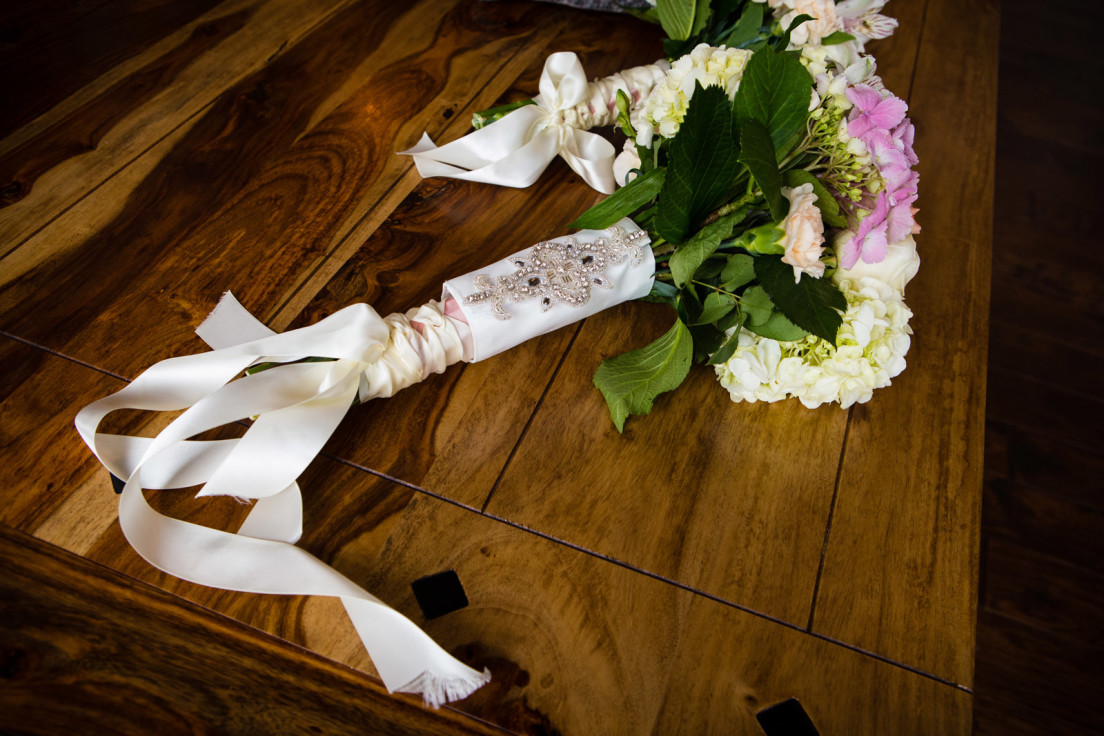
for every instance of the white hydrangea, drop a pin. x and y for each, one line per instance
(665, 108)
(872, 343)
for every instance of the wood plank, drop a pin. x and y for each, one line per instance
(1043, 592)
(71, 43)
(158, 664)
(1033, 683)
(180, 96)
(699, 491)
(914, 599)
(215, 203)
(580, 645)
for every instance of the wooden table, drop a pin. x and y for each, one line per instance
(715, 560)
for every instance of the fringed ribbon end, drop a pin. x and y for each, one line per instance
(436, 690)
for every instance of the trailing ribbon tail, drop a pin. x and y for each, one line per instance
(515, 150)
(297, 407)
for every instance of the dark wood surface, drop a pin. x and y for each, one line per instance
(714, 560)
(1040, 661)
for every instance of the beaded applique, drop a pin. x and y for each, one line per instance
(559, 272)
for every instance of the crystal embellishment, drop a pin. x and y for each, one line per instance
(559, 272)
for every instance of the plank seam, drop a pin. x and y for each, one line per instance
(63, 356)
(655, 576)
(828, 522)
(564, 542)
(532, 416)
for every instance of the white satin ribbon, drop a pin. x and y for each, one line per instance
(297, 407)
(515, 150)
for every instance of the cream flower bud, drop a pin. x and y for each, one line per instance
(804, 228)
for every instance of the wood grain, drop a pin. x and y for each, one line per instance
(587, 646)
(84, 645)
(921, 508)
(192, 89)
(49, 49)
(708, 500)
(208, 214)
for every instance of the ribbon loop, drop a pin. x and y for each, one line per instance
(515, 150)
(296, 408)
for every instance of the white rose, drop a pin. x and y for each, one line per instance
(896, 269)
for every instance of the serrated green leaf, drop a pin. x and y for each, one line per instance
(716, 305)
(775, 90)
(757, 153)
(757, 305)
(777, 327)
(623, 202)
(687, 258)
(699, 168)
(747, 28)
(836, 37)
(631, 382)
(811, 304)
(826, 203)
(676, 17)
(729, 320)
(739, 270)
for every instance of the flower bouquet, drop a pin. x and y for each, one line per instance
(766, 194)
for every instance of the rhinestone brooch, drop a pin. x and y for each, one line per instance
(559, 272)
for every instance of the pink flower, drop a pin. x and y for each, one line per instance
(869, 240)
(872, 112)
(804, 228)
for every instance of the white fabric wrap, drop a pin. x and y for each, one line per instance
(516, 149)
(296, 409)
(491, 335)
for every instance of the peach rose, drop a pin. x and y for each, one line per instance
(804, 228)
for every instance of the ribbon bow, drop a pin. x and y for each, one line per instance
(297, 407)
(515, 150)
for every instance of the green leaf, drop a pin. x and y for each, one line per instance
(775, 90)
(662, 292)
(757, 305)
(777, 327)
(676, 17)
(784, 41)
(716, 305)
(836, 37)
(739, 270)
(757, 153)
(707, 339)
(623, 202)
(747, 28)
(811, 304)
(631, 382)
(702, 12)
(829, 207)
(649, 15)
(730, 345)
(765, 239)
(686, 259)
(699, 168)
